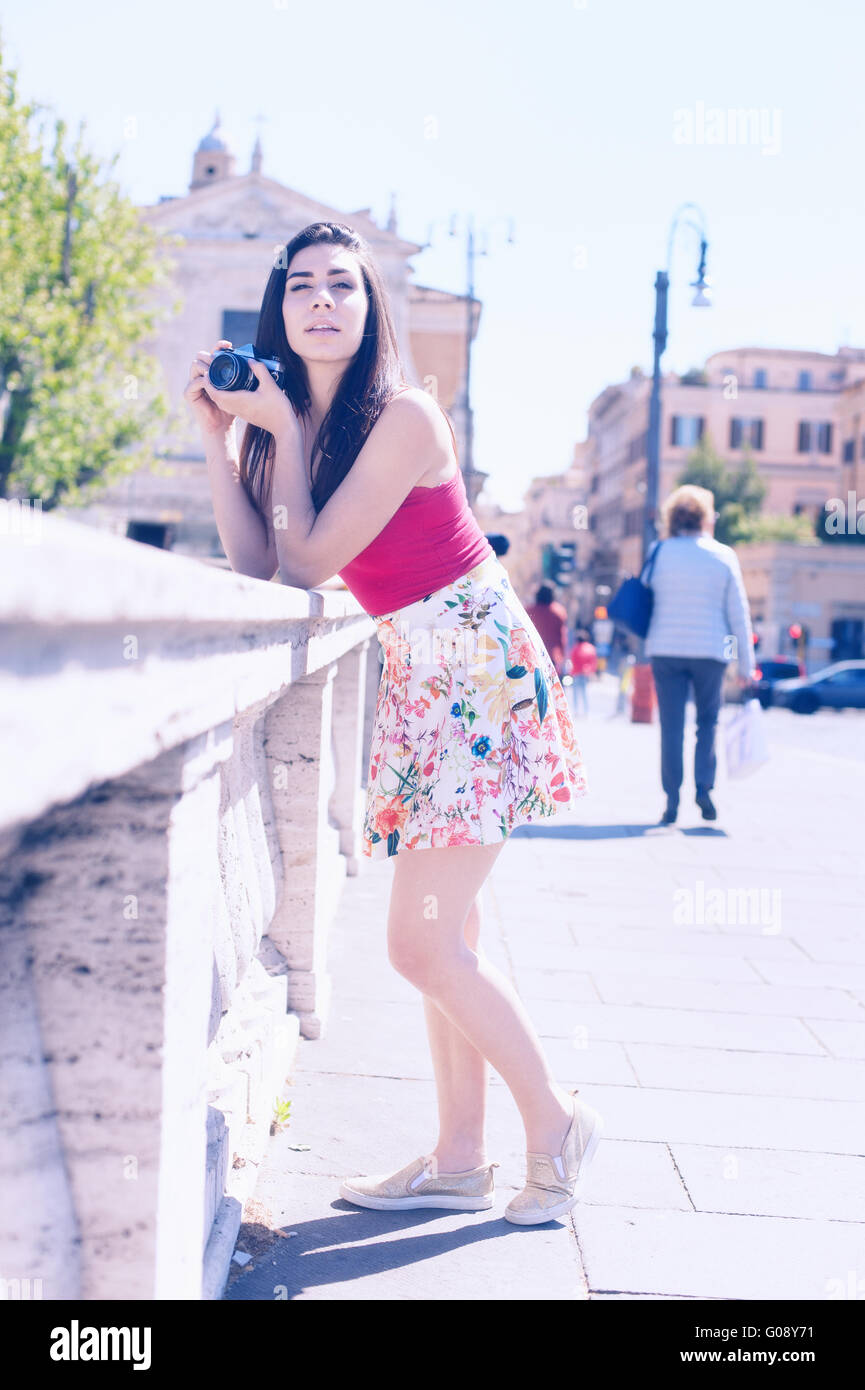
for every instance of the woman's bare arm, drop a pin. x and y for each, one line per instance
(242, 531)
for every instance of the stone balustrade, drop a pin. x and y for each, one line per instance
(183, 754)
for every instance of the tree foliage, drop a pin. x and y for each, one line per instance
(739, 492)
(776, 526)
(80, 403)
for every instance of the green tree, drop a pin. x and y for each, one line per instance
(80, 403)
(776, 526)
(739, 492)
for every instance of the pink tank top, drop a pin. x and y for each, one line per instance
(431, 539)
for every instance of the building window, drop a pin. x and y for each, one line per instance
(686, 430)
(804, 381)
(815, 437)
(156, 533)
(746, 432)
(637, 447)
(239, 326)
(849, 450)
(760, 379)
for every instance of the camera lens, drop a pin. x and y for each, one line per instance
(224, 371)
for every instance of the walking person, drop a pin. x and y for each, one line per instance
(700, 621)
(551, 620)
(584, 663)
(626, 682)
(346, 469)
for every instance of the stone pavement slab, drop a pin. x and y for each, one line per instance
(697, 1254)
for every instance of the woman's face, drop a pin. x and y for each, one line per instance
(323, 284)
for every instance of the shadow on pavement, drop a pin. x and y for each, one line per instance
(329, 1251)
(607, 832)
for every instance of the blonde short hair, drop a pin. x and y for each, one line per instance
(688, 509)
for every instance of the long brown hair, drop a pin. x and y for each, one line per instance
(364, 389)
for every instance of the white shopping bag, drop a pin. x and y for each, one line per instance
(745, 744)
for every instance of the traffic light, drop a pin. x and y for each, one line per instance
(563, 562)
(800, 636)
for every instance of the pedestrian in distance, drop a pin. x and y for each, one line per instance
(584, 663)
(551, 620)
(700, 621)
(626, 683)
(346, 469)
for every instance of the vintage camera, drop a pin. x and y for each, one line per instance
(230, 369)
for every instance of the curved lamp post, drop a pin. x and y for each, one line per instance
(643, 697)
(702, 300)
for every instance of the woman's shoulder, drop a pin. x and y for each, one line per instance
(414, 401)
(720, 549)
(694, 546)
(412, 398)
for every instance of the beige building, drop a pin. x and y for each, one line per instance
(231, 226)
(851, 416)
(781, 405)
(801, 415)
(555, 513)
(819, 587)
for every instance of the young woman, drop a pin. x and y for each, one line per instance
(348, 470)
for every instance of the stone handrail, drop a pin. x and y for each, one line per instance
(181, 793)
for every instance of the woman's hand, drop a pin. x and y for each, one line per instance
(268, 406)
(212, 418)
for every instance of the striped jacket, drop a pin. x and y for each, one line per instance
(700, 603)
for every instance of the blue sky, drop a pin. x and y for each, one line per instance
(561, 116)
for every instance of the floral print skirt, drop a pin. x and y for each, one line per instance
(472, 734)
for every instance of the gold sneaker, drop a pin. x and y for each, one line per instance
(553, 1182)
(420, 1184)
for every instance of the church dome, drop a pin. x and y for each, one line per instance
(212, 141)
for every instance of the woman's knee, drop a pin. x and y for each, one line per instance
(435, 909)
(424, 959)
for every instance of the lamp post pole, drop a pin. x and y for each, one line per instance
(653, 444)
(642, 701)
(473, 477)
(701, 300)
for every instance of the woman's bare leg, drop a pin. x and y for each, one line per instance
(462, 1076)
(432, 894)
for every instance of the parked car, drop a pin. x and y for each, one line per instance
(776, 668)
(769, 672)
(840, 686)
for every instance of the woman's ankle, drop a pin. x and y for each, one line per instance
(549, 1137)
(451, 1160)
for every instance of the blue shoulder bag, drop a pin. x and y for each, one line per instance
(632, 605)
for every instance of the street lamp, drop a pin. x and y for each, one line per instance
(473, 477)
(702, 300)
